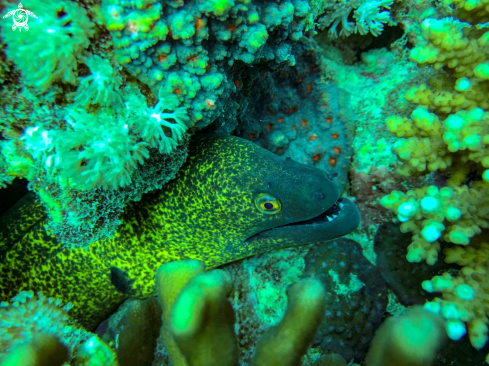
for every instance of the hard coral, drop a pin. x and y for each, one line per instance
(449, 132)
(176, 47)
(199, 319)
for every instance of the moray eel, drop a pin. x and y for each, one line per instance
(231, 199)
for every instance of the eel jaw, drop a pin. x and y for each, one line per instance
(340, 219)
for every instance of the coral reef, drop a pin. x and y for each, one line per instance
(368, 15)
(104, 102)
(37, 330)
(295, 113)
(448, 132)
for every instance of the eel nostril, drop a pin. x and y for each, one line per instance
(319, 195)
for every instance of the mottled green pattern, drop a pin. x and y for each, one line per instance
(21, 218)
(207, 212)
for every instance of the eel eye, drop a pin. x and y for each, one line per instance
(267, 204)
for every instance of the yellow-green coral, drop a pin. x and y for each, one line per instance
(409, 340)
(449, 130)
(199, 318)
(454, 214)
(428, 145)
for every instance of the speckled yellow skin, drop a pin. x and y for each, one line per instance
(207, 212)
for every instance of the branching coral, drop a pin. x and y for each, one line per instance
(177, 47)
(449, 132)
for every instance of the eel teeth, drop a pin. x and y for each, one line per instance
(329, 218)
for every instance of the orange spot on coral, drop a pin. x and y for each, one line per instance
(293, 128)
(273, 96)
(311, 69)
(208, 67)
(335, 136)
(304, 122)
(269, 111)
(300, 80)
(178, 91)
(332, 161)
(280, 149)
(312, 138)
(231, 28)
(309, 87)
(337, 150)
(237, 82)
(329, 119)
(210, 103)
(280, 120)
(270, 126)
(292, 110)
(192, 59)
(198, 24)
(114, 13)
(295, 22)
(252, 135)
(162, 58)
(316, 157)
(133, 27)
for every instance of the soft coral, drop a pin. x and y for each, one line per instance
(48, 51)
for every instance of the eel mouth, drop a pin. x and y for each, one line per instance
(340, 219)
(327, 216)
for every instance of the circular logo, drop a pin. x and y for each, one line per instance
(20, 18)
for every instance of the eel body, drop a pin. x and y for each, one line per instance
(230, 200)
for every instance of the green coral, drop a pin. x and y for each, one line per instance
(49, 51)
(104, 149)
(85, 167)
(368, 16)
(101, 87)
(448, 132)
(199, 320)
(39, 328)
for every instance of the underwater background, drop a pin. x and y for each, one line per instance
(145, 143)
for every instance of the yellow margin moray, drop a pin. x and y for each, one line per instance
(230, 200)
